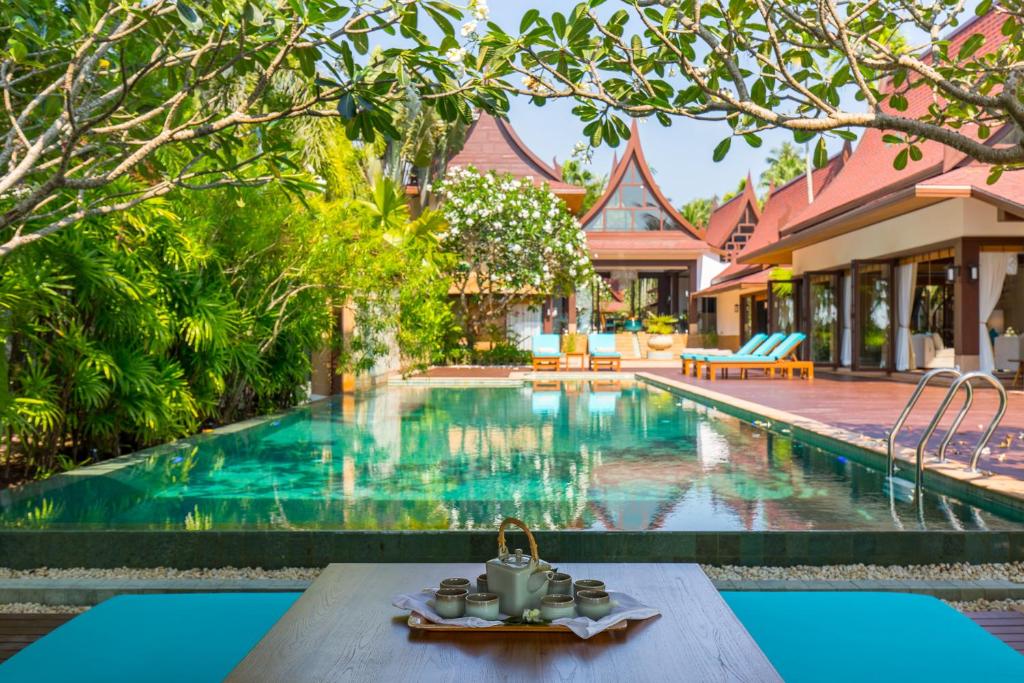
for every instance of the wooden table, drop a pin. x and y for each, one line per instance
(1018, 377)
(576, 354)
(344, 628)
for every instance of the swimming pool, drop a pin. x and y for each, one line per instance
(562, 455)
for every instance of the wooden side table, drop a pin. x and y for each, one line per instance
(576, 354)
(1018, 377)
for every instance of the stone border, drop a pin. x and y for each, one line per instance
(27, 549)
(953, 477)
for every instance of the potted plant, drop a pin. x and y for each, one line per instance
(660, 328)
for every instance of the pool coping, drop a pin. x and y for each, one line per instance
(950, 476)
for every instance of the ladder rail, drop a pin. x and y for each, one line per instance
(964, 379)
(957, 421)
(911, 402)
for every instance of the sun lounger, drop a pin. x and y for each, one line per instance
(603, 353)
(762, 351)
(547, 352)
(783, 358)
(689, 356)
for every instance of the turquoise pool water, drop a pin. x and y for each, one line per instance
(567, 455)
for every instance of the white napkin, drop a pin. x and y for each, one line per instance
(623, 607)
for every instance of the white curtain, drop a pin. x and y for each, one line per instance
(906, 278)
(992, 267)
(523, 322)
(846, 347)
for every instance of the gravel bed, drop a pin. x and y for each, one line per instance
(36, 608)
(1012, 571)
(987, 605)
(296, 573)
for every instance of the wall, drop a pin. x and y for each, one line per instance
(934, 224)
(708, 267)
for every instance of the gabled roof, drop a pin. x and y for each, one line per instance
(869, 173)
(783, 203)
(634, 153)
(724, 218)
(492, 145)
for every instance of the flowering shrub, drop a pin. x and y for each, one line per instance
(514, 242)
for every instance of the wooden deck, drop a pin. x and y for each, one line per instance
(18, 631)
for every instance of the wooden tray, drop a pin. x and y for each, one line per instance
(420, 623)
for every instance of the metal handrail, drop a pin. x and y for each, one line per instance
(911, 402)
(957, 421)
(986, 435)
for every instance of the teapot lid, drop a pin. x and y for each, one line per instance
(517, 560)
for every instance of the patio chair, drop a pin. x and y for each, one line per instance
(783, 358)
(762, 351)
(603, 353)
(547, 353)
(689, 356)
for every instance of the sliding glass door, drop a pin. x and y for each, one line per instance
(783, 308)
(823, 314)
(873, 315)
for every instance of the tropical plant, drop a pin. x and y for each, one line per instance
(111, 104)
(813, 68)
(784, 163)
(577, 171)
(660, 324)
(512, 241)
(698, 211)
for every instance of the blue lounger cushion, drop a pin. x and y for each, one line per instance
(602, 345)
(752, 343)
(847, 637)
(547, 346)
(605, 354)
(772, 342)
(193, 637)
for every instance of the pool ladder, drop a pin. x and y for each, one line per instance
(960, 380)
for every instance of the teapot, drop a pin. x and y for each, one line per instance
(519, 581)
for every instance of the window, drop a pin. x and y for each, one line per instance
(707, 320)
(632, 207)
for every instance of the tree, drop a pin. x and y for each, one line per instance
(513, 242)
(574, 172)
(793, 65)
(111, 104)
(784, 164)
(698, 211)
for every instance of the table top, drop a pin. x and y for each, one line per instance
(344, 628)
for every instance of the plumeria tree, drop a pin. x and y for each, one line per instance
(814, 67)
(513, 242)
(107, 105)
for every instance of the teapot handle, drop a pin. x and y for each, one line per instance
(503, 549)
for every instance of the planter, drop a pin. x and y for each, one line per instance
(660, 342)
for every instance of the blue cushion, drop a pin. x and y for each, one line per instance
(175, 638)
(605, 354)
(546, 354)
(846, 637)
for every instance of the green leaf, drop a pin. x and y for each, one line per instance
(900, 162)
(915, 153)
(188, 15)
(722, 149)
(898, 102)
(752, 139)
(17, 50)
(820, 153)
(994, 175)
(253, 14)
(983, 7)
(970, 46)
(528, 19)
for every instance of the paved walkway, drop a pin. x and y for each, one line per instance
(870, 407)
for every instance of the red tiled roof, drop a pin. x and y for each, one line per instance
(752, 281)
(783, 203)
(724, 218)
(869, 172)
(635, 151)
(492, 145)
(1008, 191)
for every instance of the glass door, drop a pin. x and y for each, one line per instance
(783, 311)
(753, 315)
(823, 314)
(872, 315)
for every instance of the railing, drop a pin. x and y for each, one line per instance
(911, 402)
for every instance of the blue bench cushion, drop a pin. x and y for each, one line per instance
(605, 354)
(846, 637)
(153, 638)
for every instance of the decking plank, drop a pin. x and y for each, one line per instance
(18, 631)
(1007, 626)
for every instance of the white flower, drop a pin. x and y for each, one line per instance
(468, 29)
(455, 55)
(480, 9)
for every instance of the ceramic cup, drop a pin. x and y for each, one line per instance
(593, 604)
(450, 603)
(560, 584)
(587, 585)
(481, 583)
(456, 583)
(482, 605)
(557, 607)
